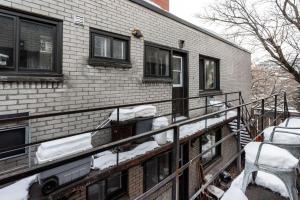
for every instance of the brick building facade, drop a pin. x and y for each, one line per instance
(81, 84)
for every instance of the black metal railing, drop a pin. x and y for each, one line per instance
(17, 119)
(175, 130)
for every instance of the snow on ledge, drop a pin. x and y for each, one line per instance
(49, 151)
(18, 190)
(108, 159)
(131, 113)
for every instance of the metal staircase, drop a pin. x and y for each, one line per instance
(245, 135)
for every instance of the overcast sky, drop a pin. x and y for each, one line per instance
(187, 9)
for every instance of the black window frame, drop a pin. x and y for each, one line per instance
(202, 86)
(117, 194)
(19, 152)
(218, 136)
(156, 159)
(19, 16)
(158, 78)
(109, 61)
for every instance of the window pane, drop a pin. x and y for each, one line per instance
(164, 167)
(207, 141)
(119, 49)
(151, 173)
(176, 78)
(152, 66)
(102, 46)
(177, 71)
(7, 41)
(114, 183)
(177, 63)
(36, 46)
(97, 191)
(164, 63)
(12, 138)
(210, 74)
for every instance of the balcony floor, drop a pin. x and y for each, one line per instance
(259, 193)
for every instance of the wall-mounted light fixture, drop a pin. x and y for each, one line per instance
(137, 33)
(181, 44)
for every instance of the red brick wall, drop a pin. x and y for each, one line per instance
(163, 3)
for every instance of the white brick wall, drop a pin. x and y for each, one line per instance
(87, 86)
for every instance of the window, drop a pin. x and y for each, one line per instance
(29, 44)
(207, 141)
(157, 62)
(110, 188)
(10, 138)
(177, 71)
(209, 74)
(108, 47)
(157, 169)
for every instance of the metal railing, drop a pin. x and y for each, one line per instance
(174, 128)
(23, 118)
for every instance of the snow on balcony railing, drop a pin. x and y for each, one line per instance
(265, 179)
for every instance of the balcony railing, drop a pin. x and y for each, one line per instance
(240, 109)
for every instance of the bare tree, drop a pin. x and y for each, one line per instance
(273, 24)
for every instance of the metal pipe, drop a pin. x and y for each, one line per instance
(239, 160)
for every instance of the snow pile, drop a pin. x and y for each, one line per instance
(17, 190)
(234, 193)
(190, 129)
(108, 159)
(144, 111)
(131, 113)
(217, 104)
(159, 123)
(49, 151)
(263, 179)
(291, 122)
(124, 115)
(282, 137)
(270, 155)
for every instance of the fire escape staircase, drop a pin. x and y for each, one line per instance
(245, 132)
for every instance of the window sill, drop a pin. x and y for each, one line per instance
(157, 80)
(210, 92)
(110, 63)
(31, 78)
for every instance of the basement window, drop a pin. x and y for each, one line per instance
(30, 45)
(156, 170)
(10, 138)
(207, 141)
(111, 188)
(106, 47)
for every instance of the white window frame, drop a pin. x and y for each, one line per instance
(181, 72)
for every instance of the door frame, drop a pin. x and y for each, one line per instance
(185, 55)
(185, 156)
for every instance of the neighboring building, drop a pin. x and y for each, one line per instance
(67, 55)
